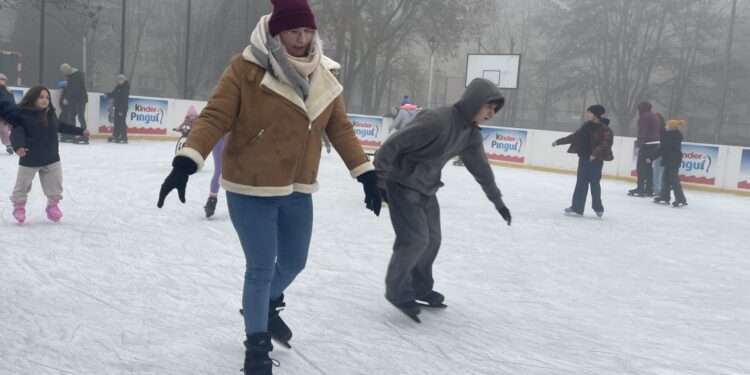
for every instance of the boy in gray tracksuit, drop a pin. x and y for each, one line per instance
(409, 167)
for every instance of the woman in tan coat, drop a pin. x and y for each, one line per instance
(273, 103)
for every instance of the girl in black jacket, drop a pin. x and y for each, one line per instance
(670, 151)
(35, 142)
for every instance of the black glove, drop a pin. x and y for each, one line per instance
(182, 167)
(373, 198)
(384, 195)
(505, 213)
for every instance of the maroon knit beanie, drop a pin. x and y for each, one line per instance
(290, 14)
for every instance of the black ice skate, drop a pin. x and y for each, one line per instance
(433, 300)
(412, 309)
(661, 200)
(636, 193)
(257, 362)
(280, 332)
(679, 204)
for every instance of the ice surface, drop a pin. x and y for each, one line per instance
(120, 287)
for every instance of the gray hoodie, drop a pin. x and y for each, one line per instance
(415, 156)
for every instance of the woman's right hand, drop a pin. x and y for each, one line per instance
(21, 152)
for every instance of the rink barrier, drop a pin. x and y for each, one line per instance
(714, 168)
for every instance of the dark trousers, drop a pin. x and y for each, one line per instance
(589, 174)
(416, 221)
(671, 181)
(120, 130)
(78, 109)
(646, 170)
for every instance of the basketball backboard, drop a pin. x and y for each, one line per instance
(502, 70)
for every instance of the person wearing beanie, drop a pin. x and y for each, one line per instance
(670, 152)
(121, 95)
(76, 97)
(592, 142)
(273, 103)
(407, 113)
(409, 166)
(645, 145)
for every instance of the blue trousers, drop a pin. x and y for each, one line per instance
(589, 174)
(275, 236)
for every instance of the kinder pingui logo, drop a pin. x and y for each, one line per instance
(696, 161)
(147, 114)
(364, 129)
(505, 144)
(699, 164)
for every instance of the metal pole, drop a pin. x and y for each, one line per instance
(187, 49)
(725, 81)
(429, 89)
(84, 54)
(42, 11)
(122, 37)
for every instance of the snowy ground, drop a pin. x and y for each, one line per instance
(120, 287)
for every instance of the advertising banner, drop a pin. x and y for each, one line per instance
(744, 181)
(699, 164)
(18, 94)
(507, 145)
(145, 116)
(369, 129)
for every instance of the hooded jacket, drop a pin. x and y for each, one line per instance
(648, 125)
(592, 138)
(39, 136)
(272, 145)
(415, 156)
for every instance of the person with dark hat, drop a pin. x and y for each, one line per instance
(592, 142)
(273, 102)
(646, 145)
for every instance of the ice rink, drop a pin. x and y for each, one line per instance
(121, 287)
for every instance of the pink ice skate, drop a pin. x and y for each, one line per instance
(53, 211)
(19, 211)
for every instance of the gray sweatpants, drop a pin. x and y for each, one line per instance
(416, 221)
(50, 176)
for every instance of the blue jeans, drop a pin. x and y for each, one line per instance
(658, 171)
(589, 174)
(275, 236)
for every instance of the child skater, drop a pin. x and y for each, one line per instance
(35, 141)
(670, 151)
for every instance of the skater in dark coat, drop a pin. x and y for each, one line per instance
(271, 105)
(121, 95)
(592, 142)
(670, 152)
(646, 144)
(409, 166)
(76, 97)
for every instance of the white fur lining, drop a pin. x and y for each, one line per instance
(362, 169)
(193, 155)
(268, 191)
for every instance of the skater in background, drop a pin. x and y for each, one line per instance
(409, 166)
(121, 96)
(4, 125)
(670, 152)
(76, 97)
(407, 113)
(656, 164)
(64, 115)
(646, 144)
(35, 142)
(273, 102)
(187, 124)
(405, 100)
(213, 195)
(592, 142)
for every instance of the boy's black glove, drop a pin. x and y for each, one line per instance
(384, 195)
(373, 198)
(505, 213)
(182, 167)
